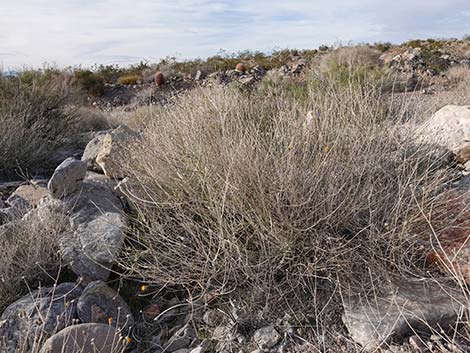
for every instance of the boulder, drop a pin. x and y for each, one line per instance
(112, 149)
(67, 178)
(96, 232)
(101, 304)
(92, 150)
(43, 311)
(266, 337)
(401, 309)
(449, 127)
(85, 338)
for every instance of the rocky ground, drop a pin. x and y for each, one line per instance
(92, 306)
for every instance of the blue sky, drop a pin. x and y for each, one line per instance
(73, 32)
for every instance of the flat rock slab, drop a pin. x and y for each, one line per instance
(101, 304)
(406, 306)
(97, 226)
(85, 338)
(43, 311)
(31, 193)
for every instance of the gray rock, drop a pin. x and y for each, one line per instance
(85, 338)
(101, 304)
(92, 150)
(213, 318)
(45, 311)
(96, 232)
(112, 149)
(266, 337)
(401, 309)
(67, 178)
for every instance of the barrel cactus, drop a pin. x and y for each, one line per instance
(159, 79)
(240, 67)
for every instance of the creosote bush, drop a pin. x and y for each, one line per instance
(28, 256)
(33, 124)
(280, 196)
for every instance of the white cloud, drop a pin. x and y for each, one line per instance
(72, 32)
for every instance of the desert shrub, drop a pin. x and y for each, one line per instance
(235, 190)
(383, 46)
(90, 119)
(92, 83)
(33, 124)
(352, 57)
(28, 256)
(130, 80)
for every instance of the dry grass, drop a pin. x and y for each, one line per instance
(238, 190)
(28, 255)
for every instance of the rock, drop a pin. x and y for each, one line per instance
(45, 310)
(67, 178)
(113, 146)
(449, 127)
(213, 318)
(96, 232)
(92, 150)
(101, 304)
(32, 194)
(400, 310)
(85, 338)
(266, 337)
(199, 76)
(247, 80)
(463, 154)
(17, 209)
(450, 249)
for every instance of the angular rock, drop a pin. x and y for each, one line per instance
(101, 304)
(45, 310)
(266, 337)
(448, 127)
(85, 338)
(97, 225)
(113, 146)
(400, 310)
(92, 150)
(67, 178)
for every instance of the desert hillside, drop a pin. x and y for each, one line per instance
(302, 201)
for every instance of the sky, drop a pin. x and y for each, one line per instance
(87, 32)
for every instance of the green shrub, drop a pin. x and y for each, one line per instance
(130, 80)
(92, 83)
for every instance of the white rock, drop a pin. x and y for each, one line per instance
(448, 127)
